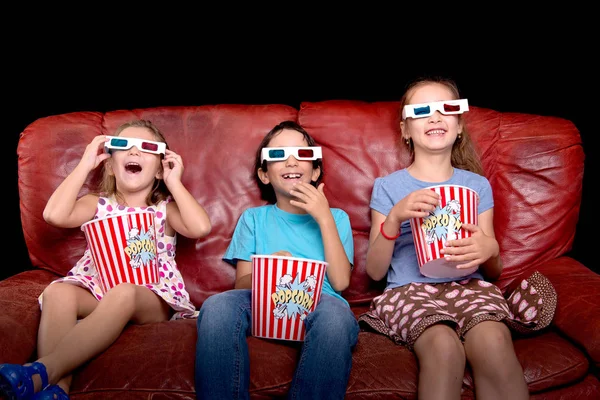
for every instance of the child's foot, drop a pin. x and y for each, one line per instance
(16, 381)
(52, 392)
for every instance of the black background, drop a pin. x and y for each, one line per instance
(45, 79)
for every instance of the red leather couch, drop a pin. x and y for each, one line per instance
(534, 163)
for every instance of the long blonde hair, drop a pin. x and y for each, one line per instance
(464, 155)
(108, 186)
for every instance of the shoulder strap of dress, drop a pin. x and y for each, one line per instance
(101, 206)
(162, 205)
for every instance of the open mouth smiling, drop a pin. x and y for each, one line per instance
(435, 132)
(133, 168)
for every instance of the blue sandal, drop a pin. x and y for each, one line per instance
(16, 381)
(52, 392)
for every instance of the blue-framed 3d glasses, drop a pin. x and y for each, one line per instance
(125, 143)
(283, 153)
(449, 107)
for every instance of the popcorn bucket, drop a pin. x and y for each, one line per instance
(458, 206)
(123, 248)
(284, 291)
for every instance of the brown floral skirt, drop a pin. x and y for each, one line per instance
(403, 313)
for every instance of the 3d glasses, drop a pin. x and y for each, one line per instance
(283, 153)
(125, 143)
(423, 110)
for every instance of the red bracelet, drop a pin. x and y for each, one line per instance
(386, 236)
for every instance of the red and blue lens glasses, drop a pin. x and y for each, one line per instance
(125, 143)
(283, 153)
(449, 107)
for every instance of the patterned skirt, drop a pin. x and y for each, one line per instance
(403, 313)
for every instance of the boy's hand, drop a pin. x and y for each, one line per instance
(283, 253)
(311, 199)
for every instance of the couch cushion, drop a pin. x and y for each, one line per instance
(20, 315)
(142, 354)
(541, 366)
(144, 361)
(381, 366)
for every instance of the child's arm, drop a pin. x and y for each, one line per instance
(379, 254)
(243, 275)
(185, 214)
(314, 202)
(243, 272)
(63, 209)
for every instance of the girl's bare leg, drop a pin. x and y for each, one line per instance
(496, 370)
(441, 359)
(62, 305)
(96, 332)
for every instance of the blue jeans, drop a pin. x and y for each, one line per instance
(222, 360)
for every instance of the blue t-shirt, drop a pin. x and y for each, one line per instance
(267, 229)
(389, 190)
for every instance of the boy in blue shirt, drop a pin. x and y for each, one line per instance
(298, 222)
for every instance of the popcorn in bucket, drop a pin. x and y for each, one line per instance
(284, 291)
(123, 248)
(459, 204)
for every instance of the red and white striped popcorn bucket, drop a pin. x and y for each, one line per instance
(123, 248)
(284, 291)
(459, 205)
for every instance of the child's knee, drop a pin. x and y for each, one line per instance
(58, 292)
(489, 337)
(440, 342)
(222, 307)
(124, 293)
(340, 326)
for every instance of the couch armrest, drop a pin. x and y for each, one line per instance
(20, 314)
(578, 306)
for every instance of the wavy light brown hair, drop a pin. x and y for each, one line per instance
(464, 155)
(108, 186)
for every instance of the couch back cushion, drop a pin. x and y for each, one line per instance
(217, 144)
(534, 163)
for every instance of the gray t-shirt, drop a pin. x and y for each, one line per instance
(389, 190)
